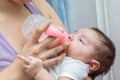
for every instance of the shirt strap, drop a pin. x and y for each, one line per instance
(32, 8)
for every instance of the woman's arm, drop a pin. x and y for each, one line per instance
(47, 11)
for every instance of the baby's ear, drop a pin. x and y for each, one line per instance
(94, 65)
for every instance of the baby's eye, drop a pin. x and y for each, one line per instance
(81, 41)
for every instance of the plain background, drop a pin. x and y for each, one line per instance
(104, 14)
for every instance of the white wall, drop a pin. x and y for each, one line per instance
(113, 9)
(81, 13)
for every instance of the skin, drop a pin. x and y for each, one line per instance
(81, 44)
(11, 23)
(8, 14)
(81, 47)
(33, 48)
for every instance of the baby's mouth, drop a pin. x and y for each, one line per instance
(67, 46)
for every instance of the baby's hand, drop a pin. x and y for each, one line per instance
(32, 65)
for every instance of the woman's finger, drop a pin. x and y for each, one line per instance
(36, 35)
(46, 42)
(52, 52)
(53, 43)
(53, 61)
(38, 48)
(45, 25)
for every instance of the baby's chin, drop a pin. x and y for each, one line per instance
(67, 49)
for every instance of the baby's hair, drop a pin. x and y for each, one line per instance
(104, 53)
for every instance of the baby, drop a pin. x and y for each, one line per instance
(89, 52)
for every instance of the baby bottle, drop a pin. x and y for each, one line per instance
(34, 20)
(31, 23)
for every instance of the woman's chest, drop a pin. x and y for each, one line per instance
(10, 27)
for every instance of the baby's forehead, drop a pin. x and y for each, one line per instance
(89, 33)
(82, 30)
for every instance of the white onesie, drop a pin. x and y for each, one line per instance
(71, 68)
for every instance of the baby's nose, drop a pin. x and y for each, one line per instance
(70, 37)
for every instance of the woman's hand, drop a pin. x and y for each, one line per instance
(39, 49)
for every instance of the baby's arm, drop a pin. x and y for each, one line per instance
(32, 65)
(64, 78)
(45, 75)
(34, 68)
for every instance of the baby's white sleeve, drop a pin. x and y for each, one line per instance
(75, 70)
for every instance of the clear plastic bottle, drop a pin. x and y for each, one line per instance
(31, 23)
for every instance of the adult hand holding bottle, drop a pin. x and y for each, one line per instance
(37, 49)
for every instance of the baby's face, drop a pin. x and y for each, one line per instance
(82, 43)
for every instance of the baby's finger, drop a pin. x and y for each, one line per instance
(25, 59)
(31, 58)
(26, 68)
